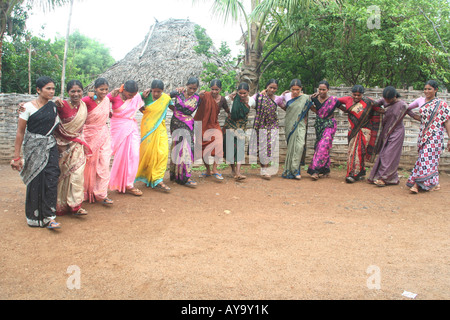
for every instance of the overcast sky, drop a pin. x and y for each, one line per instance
(122, 25)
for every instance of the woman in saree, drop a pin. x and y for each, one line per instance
(212, 139)
(390, 143)
(154, 150)
(234, 128)
(434, 115)
(362, 137)
(325, 127)
(297, 105)
(182, 132)
(266, 123)
(72, 150)
(125, 137)
(97, 136)
(39, 167)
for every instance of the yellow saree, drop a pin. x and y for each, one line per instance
(154, 151)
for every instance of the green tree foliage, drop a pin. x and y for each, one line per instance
(86, 60)
(223, 70)
(368, 42)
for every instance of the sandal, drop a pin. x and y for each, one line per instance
(81, 212)
(53, 225)
(315, 176)
(218, 176)
(298, 177)
(205, 175)
(135, 191)
(437, 188)
(190, 183)
(107, 201)
(240, 177)
(265, 176)
(162, 187)
(414, 190)
(380, 183)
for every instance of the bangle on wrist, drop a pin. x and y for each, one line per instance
(17, 159)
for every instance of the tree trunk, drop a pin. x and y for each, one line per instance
(63, 73)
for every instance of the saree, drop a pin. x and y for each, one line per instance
(266, 127)
(208, 113)
(295, 130)
(182, 132)
(125, 143)
(430, 144)
(362, 137)
(72, 157)
(154, 150)
(325, 127)
(97, 136)
(41, 169)
(234, 132)
(390, 143)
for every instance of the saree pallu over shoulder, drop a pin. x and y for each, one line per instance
(154, 150)
(71, 144)
(37, 146)
(41, 169)
(125, 142)
(266, 118)
(430, 144)
(96, 134)
(212, 139)
(434, 113)
(182, 131)
(363, 136)
(236, 125)
(295, 126)
(325, 127)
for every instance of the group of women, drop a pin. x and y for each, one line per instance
(67, 145)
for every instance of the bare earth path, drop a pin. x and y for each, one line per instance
(278, 239)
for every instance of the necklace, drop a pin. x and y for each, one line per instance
(38, 106)
(72, 106)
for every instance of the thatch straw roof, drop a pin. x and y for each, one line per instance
(166, 54)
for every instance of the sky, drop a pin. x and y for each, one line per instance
(122, 25)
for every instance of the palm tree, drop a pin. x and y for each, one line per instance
(257, 18)
(7, 8)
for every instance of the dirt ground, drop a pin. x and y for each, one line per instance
(259, 240)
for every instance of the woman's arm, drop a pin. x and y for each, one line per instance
(17, 162)
(447, 127)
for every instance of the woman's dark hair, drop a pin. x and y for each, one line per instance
(390, 93)
(72, 83)
(216, 82)
(193, 80)
(296, 82)
(433, 83)
(358, 89)
(325, 83)
(157, 84)
(131, 86)
(243, 86)
(41, 82)
(271, 81)
(100, 81)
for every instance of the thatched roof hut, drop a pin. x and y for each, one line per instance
(166, 54)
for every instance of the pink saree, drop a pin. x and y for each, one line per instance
(125, 142)
(96, 134)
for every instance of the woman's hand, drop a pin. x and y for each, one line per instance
(146, 93)
(59, 103)
(17, 165)
(21, 107)
(115, 92)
